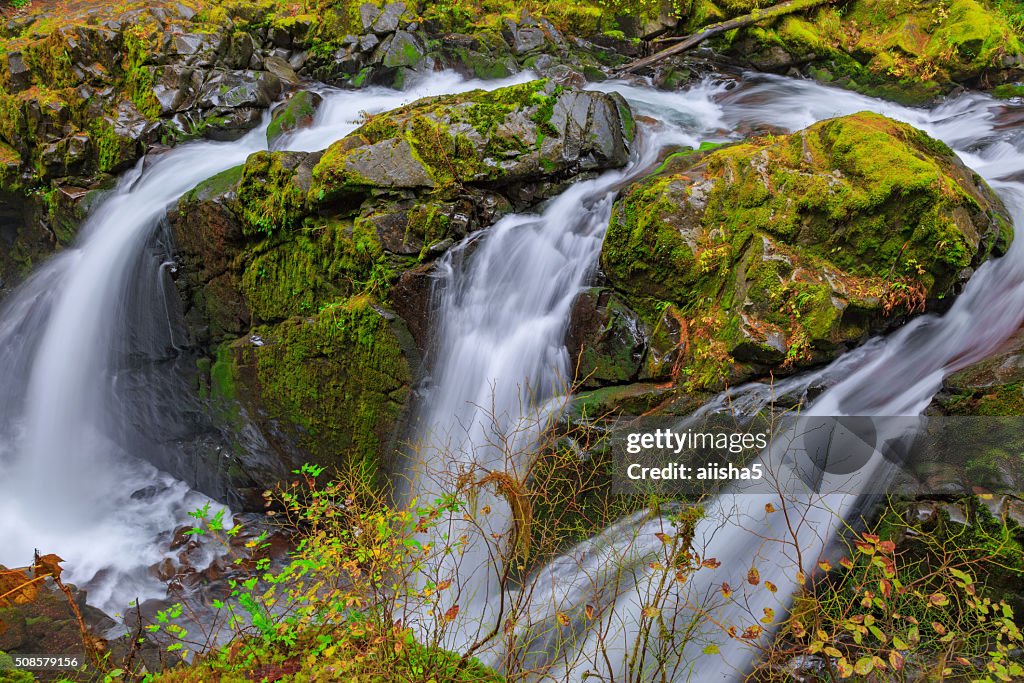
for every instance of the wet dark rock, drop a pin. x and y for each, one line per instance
(606, 341)
(236, 89)
(401, 49)
(294, 114)
(282, 69)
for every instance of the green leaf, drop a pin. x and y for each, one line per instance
(711, 649)
(864, 666)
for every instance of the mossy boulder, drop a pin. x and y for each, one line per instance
(782, 251)
(297, 112)
(329, 388)
(517, 134)
(991, 387)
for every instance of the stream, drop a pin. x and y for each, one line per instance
(70, 474)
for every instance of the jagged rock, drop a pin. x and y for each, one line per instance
(522, 133)
(234, 89)
(282, 69)
(19, 73)
(368, 13)
(387, 21)
(401, 49)
(607, 342)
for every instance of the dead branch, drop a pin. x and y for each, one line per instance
(758, 15)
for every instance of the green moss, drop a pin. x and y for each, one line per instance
(1008, 91)
(222, 378)
(338, 379)
(269, 198)
(780, 249)
(449, 159)
(301, 106)
(910, 52)
(140, 77)
(320, 265)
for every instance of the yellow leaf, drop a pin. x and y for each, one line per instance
(753, 576)
(562, 618)
(772, 588)
(650, 612)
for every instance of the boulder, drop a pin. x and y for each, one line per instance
(783, 251)
(519, 134)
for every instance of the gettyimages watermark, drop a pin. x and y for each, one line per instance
(819, 455)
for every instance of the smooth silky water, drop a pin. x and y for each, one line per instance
(500, 338)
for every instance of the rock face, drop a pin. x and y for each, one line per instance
(296, 264)
(512, 136)
(992, 387)
(780, 252)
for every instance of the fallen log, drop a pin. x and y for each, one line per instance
(754, 17)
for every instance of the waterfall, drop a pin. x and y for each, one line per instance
(896, 376)
(499, 370)
(67, 472)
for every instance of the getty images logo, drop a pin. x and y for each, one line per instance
(826, 449)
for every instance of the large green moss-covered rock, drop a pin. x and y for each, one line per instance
(511, 135)
(781, 251)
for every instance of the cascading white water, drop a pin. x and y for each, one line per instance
(494, 300)
(503, 302)
(66, 478)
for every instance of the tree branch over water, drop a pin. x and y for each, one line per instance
(689, 42)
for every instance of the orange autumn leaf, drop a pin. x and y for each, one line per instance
(753, 576)
(452, 612)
